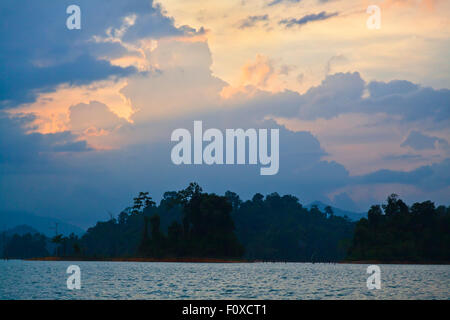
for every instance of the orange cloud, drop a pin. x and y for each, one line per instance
(258, 74)
(52, 109)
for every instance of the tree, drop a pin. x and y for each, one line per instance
(375, 215)
(416, 234)
(234, 200)
(58, 240)
(329, 211)
(143, 200)
(394, 206)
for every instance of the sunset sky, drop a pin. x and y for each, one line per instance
(86, 115)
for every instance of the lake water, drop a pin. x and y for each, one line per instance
(149, 280)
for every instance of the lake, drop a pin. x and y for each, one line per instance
(279, 281)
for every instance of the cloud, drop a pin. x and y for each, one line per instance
(23, 84)
(258, 74)
(18, 148)
(39, 52)
(403, 157)
(335, 60)
(420, 141)
(251, 21)
(382, 89)
(107, 180)
(181, 90)
(184, 84)
(429, 177)
(336, 94)
(408, 100)
(93, 117)
(289, 23)
(343, 93)
(275, 2)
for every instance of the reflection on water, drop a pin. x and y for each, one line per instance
(148, 280)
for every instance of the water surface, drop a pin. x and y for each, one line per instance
(150, 280)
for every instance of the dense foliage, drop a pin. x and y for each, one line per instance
(191, 223)
(195, 224)
(24, 246)
(396, 232)
(280, 228)
(206, 228)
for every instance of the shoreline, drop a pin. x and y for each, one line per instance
(394, 262)
(184, 260)
(221, 260)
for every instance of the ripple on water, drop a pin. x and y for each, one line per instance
(130, 280)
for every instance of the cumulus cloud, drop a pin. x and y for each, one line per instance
(409, 101)
(338, 93)
(382, 89)
(257, 74)
(184, 84)
(343, 93)
(39, 52)
(94, 116)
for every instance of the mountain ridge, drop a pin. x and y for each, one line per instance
(42, 224)
(354, 216)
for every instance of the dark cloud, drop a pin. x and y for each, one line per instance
(17, 147)
(24, 82)
(38, 52)
(337, 94)
(343, 93)
(429, 177)
(420, 141)
(275, 2)
(250, 21)
(412, 105)
(382, 89)
(288, 23)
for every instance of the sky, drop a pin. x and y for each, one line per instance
(86, 115)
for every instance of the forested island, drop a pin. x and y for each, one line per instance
(193, 225)
(397, 232)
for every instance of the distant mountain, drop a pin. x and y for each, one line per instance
(20, 230)
(44, 225)
(354, 216)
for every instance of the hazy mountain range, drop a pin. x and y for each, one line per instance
(44, 225)
(354, 216)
